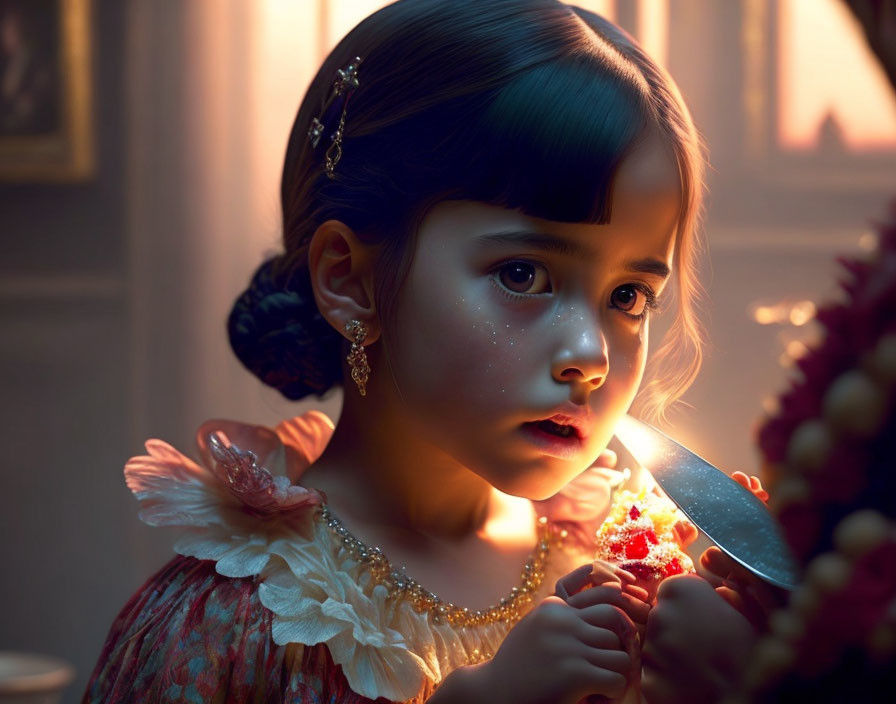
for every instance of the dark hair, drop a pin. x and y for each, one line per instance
(523, 104)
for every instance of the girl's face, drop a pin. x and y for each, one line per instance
(520, 341)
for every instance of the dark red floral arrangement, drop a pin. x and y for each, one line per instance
(830, 463)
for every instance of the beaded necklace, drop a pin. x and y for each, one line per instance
(401, 586)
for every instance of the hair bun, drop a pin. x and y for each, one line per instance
(279, 335)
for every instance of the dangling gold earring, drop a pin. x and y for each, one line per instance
(357, 358)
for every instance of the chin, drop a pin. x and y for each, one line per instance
(536, 488)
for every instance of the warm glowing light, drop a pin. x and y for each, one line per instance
(793, 350)
(511, 522)
(605, 8)
(868, 242)
(796, 349)
(281, 69)
(831, 87)
(802, 312)
(771, 405)
(765, 315)
(653, 28)
(637, 440)
(797, 314)
(344, 15)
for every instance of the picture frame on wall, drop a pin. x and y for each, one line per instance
(45, 91)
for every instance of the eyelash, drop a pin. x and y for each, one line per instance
(650, 303)
(513, 295)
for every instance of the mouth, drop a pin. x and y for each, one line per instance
(561, 430)
(555, 436)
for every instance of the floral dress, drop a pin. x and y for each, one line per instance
(265, 603)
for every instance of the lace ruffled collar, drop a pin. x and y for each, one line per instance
(243, 509)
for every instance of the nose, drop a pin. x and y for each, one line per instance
(582, 357)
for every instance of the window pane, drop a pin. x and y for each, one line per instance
(831, 91)
(343, 15)
(604, 8)
(653, 28)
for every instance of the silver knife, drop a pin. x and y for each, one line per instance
(723, 510)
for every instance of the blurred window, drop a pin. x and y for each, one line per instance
(648, 20)
(832, 95)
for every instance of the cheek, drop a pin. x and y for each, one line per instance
(453, 348)
(630, 363)
(628, 354)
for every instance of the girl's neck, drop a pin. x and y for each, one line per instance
(426, 511)
(379, 474)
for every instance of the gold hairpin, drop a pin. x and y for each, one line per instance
(345, 84)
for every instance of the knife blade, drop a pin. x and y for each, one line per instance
(723, 510)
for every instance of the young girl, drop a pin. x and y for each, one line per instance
(483, 203)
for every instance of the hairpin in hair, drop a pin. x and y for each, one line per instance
(345, 85)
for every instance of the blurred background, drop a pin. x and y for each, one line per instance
(140, 156)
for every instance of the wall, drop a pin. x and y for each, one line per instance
(64, 380)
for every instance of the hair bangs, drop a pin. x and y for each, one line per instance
(550, 141)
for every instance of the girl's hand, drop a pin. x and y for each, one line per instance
(696, 644)
(743, 590)
(607, 583)
(752, 483)
(686, 532)
(559, 653)
(604, 582)
(568, 647)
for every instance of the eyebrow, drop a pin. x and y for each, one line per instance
(649, 266)
(543, 241)
(547, 242)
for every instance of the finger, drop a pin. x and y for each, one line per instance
(714, 560)
(573, 582)
(741, 479)
(615, 619)
(706, 566)
(721, 565)
(607, 459)
(758, 597)
(756, 488)
(686, 533)
(635, 609)
(596, 637)
(747, 607)
(626, 661)
(733, 598)
(612, 660)
(624, 575)
(639, 593)
(609, 572)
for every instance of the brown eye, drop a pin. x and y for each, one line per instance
(630, 299)
(524, 277)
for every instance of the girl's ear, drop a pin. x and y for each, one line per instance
(341, 268)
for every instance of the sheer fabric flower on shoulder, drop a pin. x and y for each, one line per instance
(238, 502)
